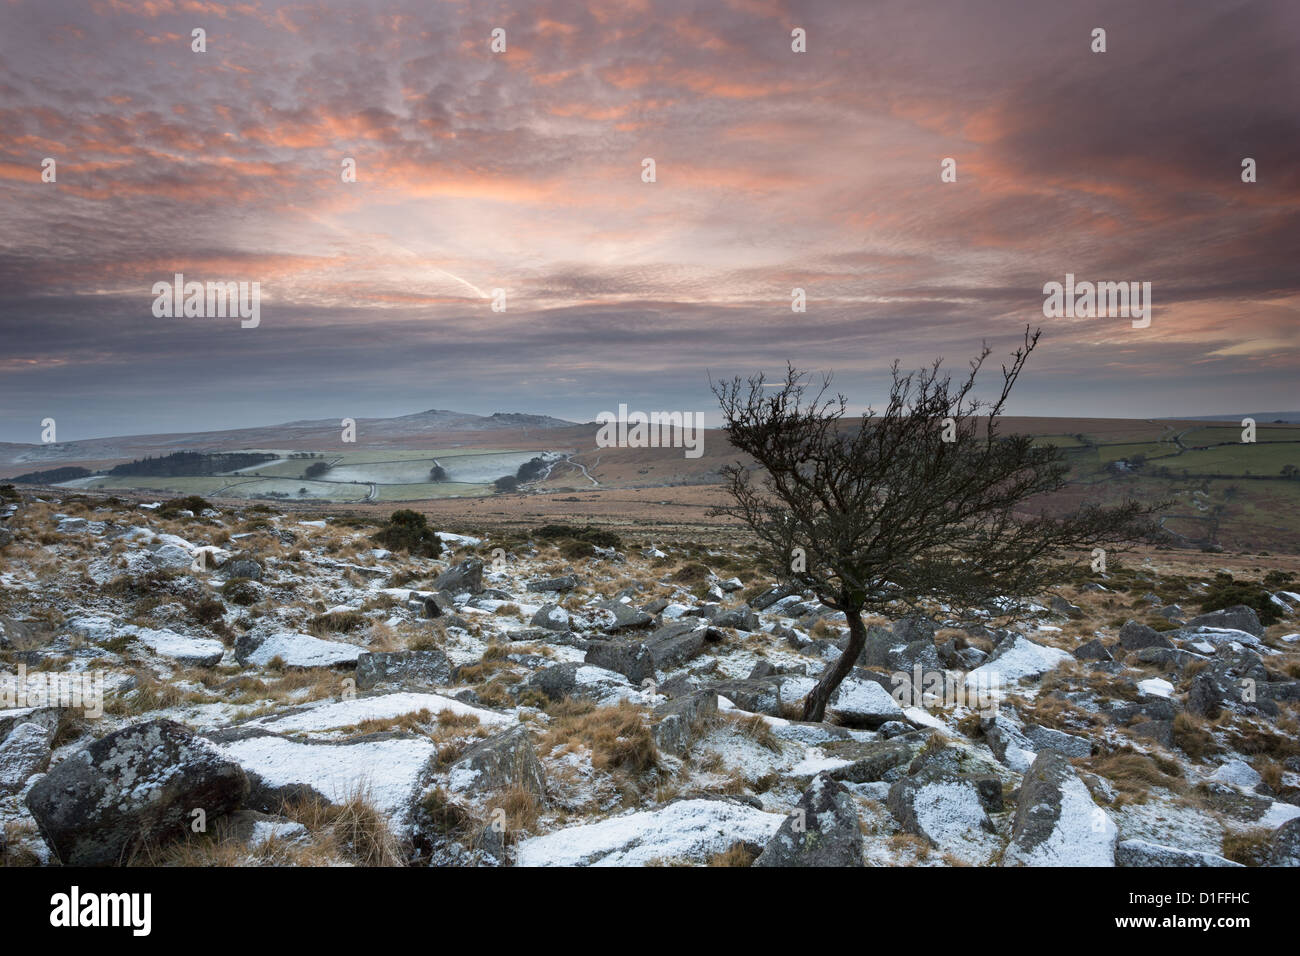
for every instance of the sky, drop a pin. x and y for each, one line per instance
(523, 171)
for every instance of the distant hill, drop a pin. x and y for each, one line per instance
(323, 433)
(1290, 418)
(440, 419)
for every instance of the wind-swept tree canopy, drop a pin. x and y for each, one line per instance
(925, 500)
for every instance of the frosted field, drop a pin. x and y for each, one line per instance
(330, 490)
(197, 485)
(230, 486)
(353, 476)
(291, 468)
(484, 469)
(474, 468)
(410, 454)
(385, 472)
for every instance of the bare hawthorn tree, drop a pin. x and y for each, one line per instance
(923, 501)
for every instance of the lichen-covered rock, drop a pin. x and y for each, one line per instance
(386, 769)
(632, 659)
(577, 679)
(1045, 738)
(142, 783)
(1057, 823)
(622, 616)
(1093, 650)
(1285, 850)
(885, 760)
(552, 617)
(741, 618)
(950, 810)
(24, 752)
(427, 668)
(822, 831)
(674, 644)
(1134, 636)
(678, 717)
(264, 645)
(499, 762)
(466, 576)
(1142, 853)
(243, 568)
(759, 696)
(566, 582)
(193, 651)
(688, 830)
(1239, 617)
(862, 702)
(47, 717)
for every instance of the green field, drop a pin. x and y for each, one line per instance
(1237, 460)
(445, 489)
(1215, 434)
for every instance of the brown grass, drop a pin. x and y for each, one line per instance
(521, 808)
(353, 829)
(618, 737)
(1192, 736)
(1135, 774)
(1249, 847)
(738, 855)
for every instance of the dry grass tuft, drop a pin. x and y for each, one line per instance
(353, 829)
(738, 855)
(618, 737)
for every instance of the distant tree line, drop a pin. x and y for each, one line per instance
(532, 469)
(183, 463)
(53, 476)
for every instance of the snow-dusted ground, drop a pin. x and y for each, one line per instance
(299, 724)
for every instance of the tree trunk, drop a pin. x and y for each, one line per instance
(814, 705)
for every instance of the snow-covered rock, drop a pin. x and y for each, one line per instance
(195, 651)
(1142, 853)
(294, 650)
(1057, 823)
(862, 702)
(1238, 773)
(1017, 658)
(1156, 687)
(691, 830)
(388, 772)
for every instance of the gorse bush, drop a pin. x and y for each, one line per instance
(206, 610)
(1225, 593)
(1274, 578)
(240, 591)
(408, 531)
(597, 536)
(171, 509)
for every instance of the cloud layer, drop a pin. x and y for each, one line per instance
(522, 171)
